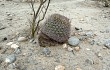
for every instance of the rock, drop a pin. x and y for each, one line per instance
(10, 43)
(31, 40)
(88, 49)
(88, 61)
(82, 38)
(92, 42)
(70, 49)
(17, 51)
(65, 46)
(10, 58)
(14, 46)
(99, 43)
(74, 41)
(59, 67)
(12, 66)
(89, 34)
(77, 48)
(107, 44)
(46, 51)
(99, 54)
(22, 39)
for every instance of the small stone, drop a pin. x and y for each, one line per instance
(31, 40)
(17, 33)
(99, 43)
(17, 51)
(88, 61)
(14, 46)
(78, 69)
(82, 38)
(81, 19)
(12, 66)
(92, 42)
(104, 47)
(24, 54)
(77, 48)
(70, 49)
(10, 43)
(59, 67)
(22, 39)
(89, 34)
(9, 19)
(88, 49)
(107, 44)
(77, 28)
(46, 51)
(74, 41)
(65, 46)
(10, 58)
(99, 54)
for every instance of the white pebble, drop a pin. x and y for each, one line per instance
(70, 49)
(21, 39)
(10, 43)
(88, 49)
(65, 46)
(59, 67)
(99, 55)
(14, 46)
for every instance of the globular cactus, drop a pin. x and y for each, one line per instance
(56, 28)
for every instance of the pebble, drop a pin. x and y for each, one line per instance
(59, 67)
(92, 42)
(99, 54)
(77, 48)
(70, 49)
(88, 61)
(12, 66)
(46, 51)
(89, 34)
(82, 38)
(10, 58)
(14, 46)
(10, 43)
(31, 40)
(65, 46)
(22, 39)
(107, 44)
(74, 41)
(88, 49)
(78, 69)
(17, 51)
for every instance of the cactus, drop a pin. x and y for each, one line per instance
(56, 28)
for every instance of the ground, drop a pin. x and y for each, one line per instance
(85, 14)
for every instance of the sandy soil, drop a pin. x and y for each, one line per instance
(14, 22)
